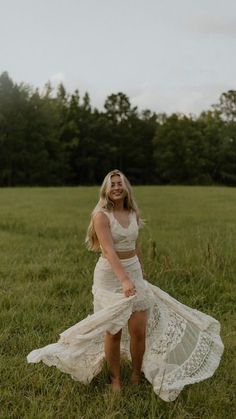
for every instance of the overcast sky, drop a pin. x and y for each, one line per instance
(166, 55)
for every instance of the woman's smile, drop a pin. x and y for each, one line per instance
(117, 190)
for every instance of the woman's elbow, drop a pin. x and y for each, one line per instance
(108, 251)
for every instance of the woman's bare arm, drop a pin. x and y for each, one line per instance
(102, 229)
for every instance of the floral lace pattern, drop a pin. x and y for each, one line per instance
(172, 335)
(183, 345)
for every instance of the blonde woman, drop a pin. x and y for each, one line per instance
(171, 343)
(114, 230)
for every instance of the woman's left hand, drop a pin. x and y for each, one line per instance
(128, 288)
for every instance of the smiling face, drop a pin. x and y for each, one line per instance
(117, 191)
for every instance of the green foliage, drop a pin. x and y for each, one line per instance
(227, 106)
(49, 138)
(46, 276)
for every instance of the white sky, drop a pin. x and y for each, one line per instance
(166, 55)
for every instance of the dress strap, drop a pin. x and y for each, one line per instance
(107, 213)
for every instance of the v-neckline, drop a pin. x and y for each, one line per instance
(125, 228)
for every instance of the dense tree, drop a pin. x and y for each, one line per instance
(227, 106)
(13, 123)
(118, 107)
(179, 151)
(49, 138)
(29, 148)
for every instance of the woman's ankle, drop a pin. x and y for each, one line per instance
(115, 383)
(135, 377)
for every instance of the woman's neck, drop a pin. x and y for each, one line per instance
(118, 206)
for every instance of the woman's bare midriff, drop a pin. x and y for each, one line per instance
(125, 255)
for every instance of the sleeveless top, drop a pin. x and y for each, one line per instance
(124, 238)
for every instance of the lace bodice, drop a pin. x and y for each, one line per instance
(124, 238)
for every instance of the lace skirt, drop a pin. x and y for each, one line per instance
(183, 345)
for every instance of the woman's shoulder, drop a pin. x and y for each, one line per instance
(101, 214)
(133, 214)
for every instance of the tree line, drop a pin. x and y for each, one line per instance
(58, 138)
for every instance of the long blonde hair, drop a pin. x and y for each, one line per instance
(105, 203)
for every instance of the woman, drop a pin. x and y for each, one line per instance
(171, 343)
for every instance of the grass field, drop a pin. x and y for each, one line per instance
(189, 248)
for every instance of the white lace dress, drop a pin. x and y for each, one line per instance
(183, 345)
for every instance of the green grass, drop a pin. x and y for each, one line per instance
(189, 248)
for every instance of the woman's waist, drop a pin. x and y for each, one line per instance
(127, 263)
(126, 254)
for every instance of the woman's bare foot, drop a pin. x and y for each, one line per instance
(115, 384)
(135, 378)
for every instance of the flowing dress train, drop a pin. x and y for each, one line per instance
(183, 345)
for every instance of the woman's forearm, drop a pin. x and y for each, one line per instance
(116, 265)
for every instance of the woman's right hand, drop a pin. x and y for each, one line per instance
(128, 287)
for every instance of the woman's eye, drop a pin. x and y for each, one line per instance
(113, 185)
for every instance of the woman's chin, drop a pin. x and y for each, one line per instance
(117, 199)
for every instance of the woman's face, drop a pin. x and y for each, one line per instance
(117, 192)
